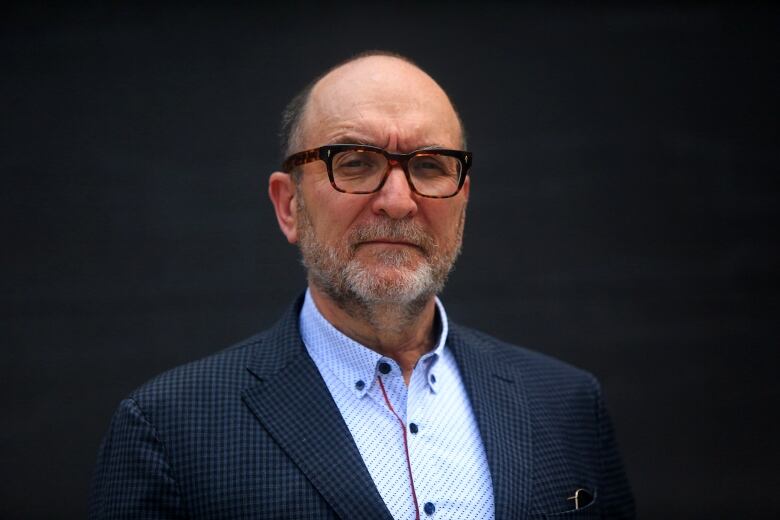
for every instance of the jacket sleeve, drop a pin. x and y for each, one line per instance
(133, 477)
(615, 496)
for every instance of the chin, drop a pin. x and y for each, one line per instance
(392, 262)
(392, 285)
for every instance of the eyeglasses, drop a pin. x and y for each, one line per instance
(361, 169)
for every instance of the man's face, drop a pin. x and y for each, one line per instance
(392, 246)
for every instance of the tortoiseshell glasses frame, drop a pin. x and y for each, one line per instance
(328, 152)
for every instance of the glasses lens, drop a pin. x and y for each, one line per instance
(435, 175)
(358, 171)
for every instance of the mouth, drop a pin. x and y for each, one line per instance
(390, 236)
(388, 242)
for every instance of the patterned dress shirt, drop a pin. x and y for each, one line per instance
(420, 443)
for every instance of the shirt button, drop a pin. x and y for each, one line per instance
(360, 385)
(384, 368)
(429, 508)
(433, 380)
(413, 428)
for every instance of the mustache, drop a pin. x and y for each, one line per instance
(395, 230)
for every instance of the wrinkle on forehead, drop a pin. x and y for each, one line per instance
(404, 134)
(384, 100)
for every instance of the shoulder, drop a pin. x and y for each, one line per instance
(228, 372)
(222, 372)
(535, 369)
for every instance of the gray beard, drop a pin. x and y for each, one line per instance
(363, 291)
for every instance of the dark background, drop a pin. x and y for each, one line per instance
(623, 202)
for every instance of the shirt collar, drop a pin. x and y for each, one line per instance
(354, 364)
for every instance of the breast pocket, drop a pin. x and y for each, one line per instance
(590, 510)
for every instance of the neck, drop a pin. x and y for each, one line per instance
(402, 332)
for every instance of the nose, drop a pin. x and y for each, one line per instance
(395, 199)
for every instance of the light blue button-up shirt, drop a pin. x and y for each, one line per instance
(421, 440)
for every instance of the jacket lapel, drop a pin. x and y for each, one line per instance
(499, 403)
(293, 404)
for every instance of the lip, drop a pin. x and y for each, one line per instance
(388, 242)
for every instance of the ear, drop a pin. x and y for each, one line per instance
(281, 190)
(466, 187)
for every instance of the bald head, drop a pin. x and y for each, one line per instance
(375, 98)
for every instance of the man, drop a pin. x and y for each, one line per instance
(364, 401)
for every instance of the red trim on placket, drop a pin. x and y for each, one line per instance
(406, 448)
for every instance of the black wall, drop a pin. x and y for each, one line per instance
(623, 201)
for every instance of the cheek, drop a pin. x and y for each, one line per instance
(444, 222)
(335, 218)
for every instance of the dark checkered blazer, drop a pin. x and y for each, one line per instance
(252, 432)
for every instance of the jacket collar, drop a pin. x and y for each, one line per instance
(305, 421)
(498, 399)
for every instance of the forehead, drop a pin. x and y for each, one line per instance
(382, 101)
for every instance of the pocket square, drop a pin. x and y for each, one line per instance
(582, 497)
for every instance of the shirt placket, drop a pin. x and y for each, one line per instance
(398, 397)
(421, 430)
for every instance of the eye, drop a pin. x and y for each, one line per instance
(354, 163)
(432, 166)
(429, 165)
(355, 160)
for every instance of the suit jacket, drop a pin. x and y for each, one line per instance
(252, 432)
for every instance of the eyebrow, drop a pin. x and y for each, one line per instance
(352, 140)
(347, 139)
